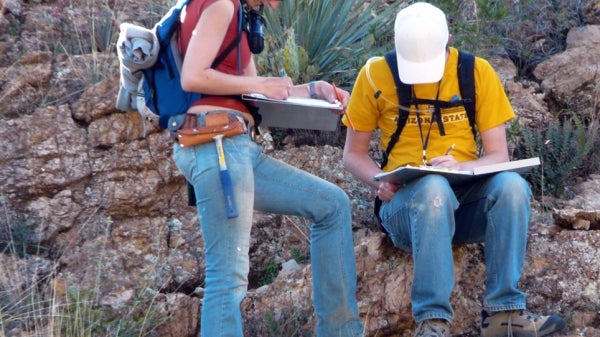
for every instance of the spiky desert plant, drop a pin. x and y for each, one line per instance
(333, 38)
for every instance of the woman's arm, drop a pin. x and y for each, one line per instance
(207, 38)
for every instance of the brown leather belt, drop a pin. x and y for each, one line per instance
(202, 127)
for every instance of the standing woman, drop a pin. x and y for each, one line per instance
(259, 181)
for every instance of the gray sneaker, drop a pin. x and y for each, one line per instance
(433, 328)
(519, 323)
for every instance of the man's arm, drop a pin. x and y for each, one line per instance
(356, 157)
(495, 151)
(495, 148)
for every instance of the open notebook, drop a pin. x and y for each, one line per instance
(405, 174)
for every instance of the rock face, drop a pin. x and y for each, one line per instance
(92, 203)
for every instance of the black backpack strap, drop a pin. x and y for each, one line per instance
(466, 82)
(404, 92)
(232, 45)
(227, 50)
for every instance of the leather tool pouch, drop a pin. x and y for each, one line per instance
(201, 128)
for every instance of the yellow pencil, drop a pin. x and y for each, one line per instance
(339, 98)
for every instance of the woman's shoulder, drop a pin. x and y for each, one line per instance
(198, 6)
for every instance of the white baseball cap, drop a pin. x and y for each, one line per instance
(421, 35)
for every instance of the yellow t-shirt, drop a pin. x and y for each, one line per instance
(369, 113)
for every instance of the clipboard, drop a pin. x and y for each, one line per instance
(405, 174)
(297, 112)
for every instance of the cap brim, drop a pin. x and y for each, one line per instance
(421, 72)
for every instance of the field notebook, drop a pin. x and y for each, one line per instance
(405, 174)
(296, 112)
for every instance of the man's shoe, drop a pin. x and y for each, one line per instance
(433, 328)
(519, 323)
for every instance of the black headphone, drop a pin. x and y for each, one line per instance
(254, 22)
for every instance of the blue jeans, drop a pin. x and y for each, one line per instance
(428, 215)
(268, 185)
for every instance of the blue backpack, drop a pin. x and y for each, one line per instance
(160, 88)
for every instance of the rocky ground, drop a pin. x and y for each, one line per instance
(100, 206)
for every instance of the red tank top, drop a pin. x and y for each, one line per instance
(230, 64)
(192, 13)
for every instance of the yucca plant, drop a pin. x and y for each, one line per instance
(326, 39)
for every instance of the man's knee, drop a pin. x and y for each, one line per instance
(511, 185)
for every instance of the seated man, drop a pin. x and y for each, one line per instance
(427, 215)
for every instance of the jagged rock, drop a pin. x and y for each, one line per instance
(576, 69)
(578, 219)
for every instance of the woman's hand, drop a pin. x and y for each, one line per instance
(276, 87)
(327, 92)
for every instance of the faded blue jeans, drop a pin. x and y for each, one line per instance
(268, 185)
(428, 215)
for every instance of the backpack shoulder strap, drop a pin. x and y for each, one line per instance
(404, 92)
(466, 82)
(167, 28)
(169, 23)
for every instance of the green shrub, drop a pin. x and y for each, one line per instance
(562, 147)
(299, 256)
(270, 271)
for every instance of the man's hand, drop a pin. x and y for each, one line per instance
(446, 161)
(386, 191)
